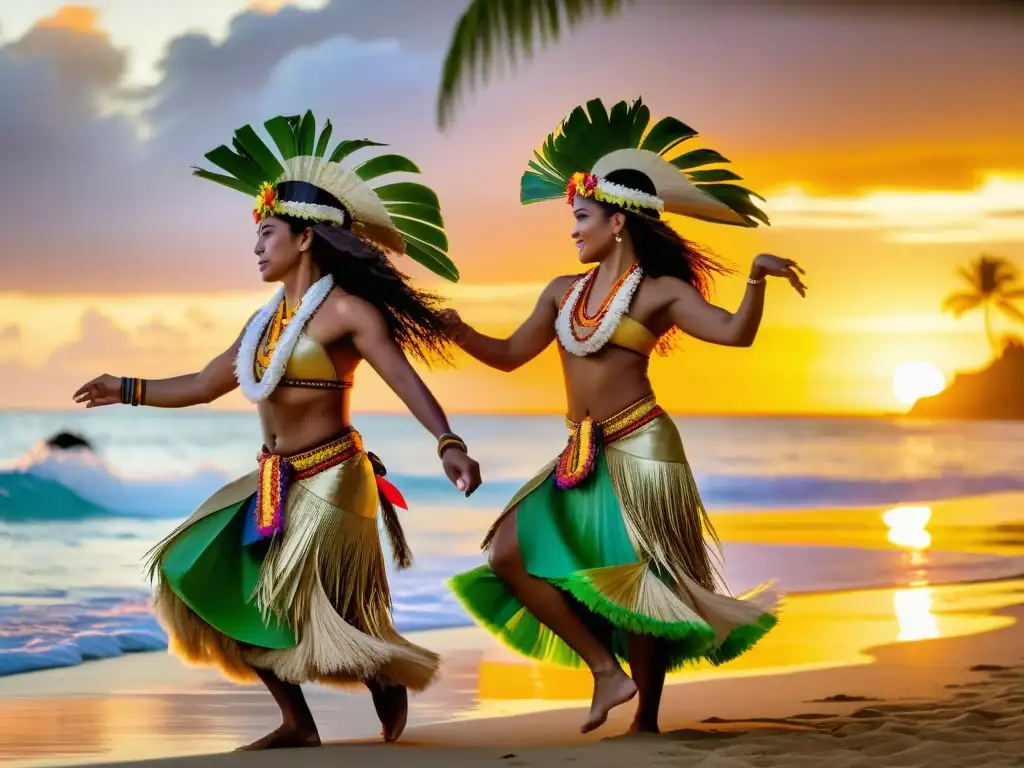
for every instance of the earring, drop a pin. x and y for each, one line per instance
(618, 238)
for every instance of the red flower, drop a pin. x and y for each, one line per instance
(582, 184)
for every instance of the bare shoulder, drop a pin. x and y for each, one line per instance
(245, 326)
(346, 313)
(668, 288)
(558, 287)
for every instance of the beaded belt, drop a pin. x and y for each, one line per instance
(586, 437)
(277, 472)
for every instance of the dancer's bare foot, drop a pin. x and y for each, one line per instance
(611, 688)
(638, 726)
(285, 737)
(392, 705)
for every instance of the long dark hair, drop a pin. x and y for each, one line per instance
(661, 250)
(363, 269)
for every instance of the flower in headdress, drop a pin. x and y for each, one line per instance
(266, 202)
(581, 184)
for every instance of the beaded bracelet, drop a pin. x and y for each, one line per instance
(133, 391)
(449, 440)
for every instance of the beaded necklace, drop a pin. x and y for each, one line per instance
(277, 326)
(284, 334)
(573, 313)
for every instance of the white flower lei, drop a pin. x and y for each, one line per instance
(616, 193)
(245, 363)
(311, 211)
(618, 307)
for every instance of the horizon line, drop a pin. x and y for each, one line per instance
(878, 414)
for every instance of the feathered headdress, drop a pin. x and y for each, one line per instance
(578, 156)
(310, 183)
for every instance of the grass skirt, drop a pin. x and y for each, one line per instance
(312, 604)
(632, 545)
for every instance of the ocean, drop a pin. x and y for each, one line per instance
(74, 525)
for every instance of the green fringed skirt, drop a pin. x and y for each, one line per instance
(629, 546)
(312, 605)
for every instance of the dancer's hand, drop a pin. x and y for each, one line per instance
(463, 471)
(103, 390)
(456, 326)
(767, 265)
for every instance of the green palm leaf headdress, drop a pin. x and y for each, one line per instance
(307, 181)
(593, 142)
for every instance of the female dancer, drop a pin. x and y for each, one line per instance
(616, 522)
(280, 576)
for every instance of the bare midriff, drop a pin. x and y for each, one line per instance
(297, 419)
(605, 383)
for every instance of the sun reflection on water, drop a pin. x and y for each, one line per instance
(913, 609)
(908, 527)
(913, 606)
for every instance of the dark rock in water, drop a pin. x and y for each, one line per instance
(66, 440)
(992, 393)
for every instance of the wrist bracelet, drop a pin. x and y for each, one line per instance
(133, 391)
(755, 281)
(449, 440)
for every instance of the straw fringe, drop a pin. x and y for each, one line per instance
(339, 548)
(665, 518)
(326, 577)
(674, 591)
(333, 651)
(193, 640)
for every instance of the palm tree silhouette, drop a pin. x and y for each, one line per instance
(491, 31)
(994, 284)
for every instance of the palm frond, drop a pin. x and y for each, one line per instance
(583, 138)
(1010, 310)
(591, 132)
(491, 32)
(414, 209)
(991, 276)
(962, 301)
(970, 276)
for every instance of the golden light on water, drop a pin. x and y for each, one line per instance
(908, 528)
(913, 609)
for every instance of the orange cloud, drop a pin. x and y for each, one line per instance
(991, 212)
(80, 19)
(269, 7)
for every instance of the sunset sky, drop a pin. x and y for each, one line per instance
(889, 146)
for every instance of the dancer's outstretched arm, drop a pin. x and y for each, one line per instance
(692, 314)
(529, 339)
(215, 380)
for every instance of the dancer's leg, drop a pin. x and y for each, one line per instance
(298, 728)
(612, 686)
(392, 705)
(647, 664)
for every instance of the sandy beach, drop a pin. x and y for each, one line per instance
(951, 701)
(897, 675)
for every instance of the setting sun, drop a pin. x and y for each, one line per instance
(917, 379)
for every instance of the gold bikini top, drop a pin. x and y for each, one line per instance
(628, 333)
(308, 366)
(633, 335)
